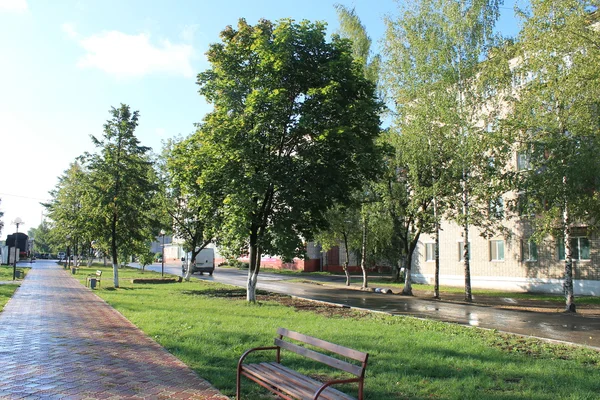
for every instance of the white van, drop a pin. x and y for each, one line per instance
(205, 262)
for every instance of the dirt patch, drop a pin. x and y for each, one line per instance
(156, 280)
(328, 310)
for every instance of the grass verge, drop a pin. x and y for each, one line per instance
(208, 326)
(6, 292)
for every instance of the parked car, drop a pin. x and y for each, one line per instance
(61, 256)
(205, 262)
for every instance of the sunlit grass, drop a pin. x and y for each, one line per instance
(209, 325)
(6, 272)
(6, 292)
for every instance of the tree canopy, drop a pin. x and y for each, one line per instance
(293, 130)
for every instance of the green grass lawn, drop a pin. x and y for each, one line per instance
(209, 326)
(6, 272)
(6, 292)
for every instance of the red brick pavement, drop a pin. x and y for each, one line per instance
(58, 340)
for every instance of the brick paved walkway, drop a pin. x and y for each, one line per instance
(59, 340)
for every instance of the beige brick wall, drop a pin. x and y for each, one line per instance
(548, 266)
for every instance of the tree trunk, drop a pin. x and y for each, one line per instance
(407, 289)
(253, 268)
(410, 250)
(466, 255)
(396, 277)
(345, 266)
(436, 284)
(568, 283)
(114, 250)
(190, 262)
(188, 271)
(363, 256)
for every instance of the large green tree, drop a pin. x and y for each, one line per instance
(193, 201)
(123, 185)
(293, 130)
(556, 112)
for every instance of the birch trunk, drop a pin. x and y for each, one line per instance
(363, 257)
(252, 269)
(466, 255)
(407, 290)
(188, 272)
(568, 283)
(347, 260)
(115, 259)
(436, 284)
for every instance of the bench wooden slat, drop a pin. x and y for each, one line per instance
(291, 382)
(328, 394)
(334, 348)
(281, 382)
(325, 359)
(292, 385)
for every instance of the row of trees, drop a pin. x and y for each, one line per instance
(293, 149)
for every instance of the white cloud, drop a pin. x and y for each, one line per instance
(161, 132)
(124, 55)
(13, 5)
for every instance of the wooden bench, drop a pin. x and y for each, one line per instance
(95, 276)
(289, 384)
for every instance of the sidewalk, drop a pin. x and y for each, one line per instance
(58, 340)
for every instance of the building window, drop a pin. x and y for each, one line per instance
(523, 161)
(580, 247)
(529, 250)
(461, 250)
(497, 250)
(429, 251)
(497, 208)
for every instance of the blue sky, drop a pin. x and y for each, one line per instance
(63, 64)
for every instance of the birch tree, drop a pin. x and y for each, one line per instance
(436, 78)
(293, 131)
(556, 113)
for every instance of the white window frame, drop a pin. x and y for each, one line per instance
(461, 249)
(497, 250)
(526, 254)
(429, 251)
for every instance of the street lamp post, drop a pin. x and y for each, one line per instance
(18, 221)
(162, 254)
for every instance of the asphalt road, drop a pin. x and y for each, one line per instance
(553, 326)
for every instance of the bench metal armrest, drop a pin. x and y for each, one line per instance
(253, 350)
(334, 382)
